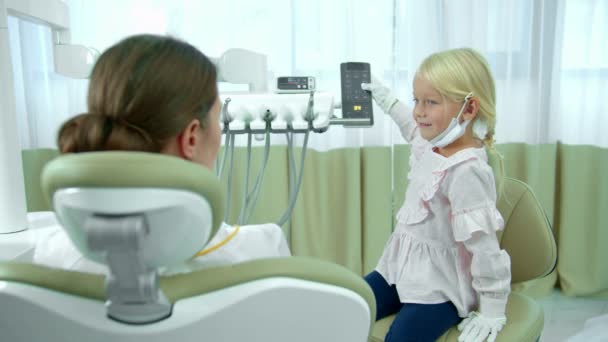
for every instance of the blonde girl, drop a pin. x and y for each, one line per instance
(443, 262)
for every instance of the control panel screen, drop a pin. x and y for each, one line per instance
(295, 83)
(356, 102)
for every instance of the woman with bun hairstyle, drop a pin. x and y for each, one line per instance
(156, 94)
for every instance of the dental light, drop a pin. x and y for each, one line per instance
(70, 60)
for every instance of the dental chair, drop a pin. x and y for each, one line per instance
(528, 238)
(140, 212)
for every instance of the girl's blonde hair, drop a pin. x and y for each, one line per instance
(457, 72)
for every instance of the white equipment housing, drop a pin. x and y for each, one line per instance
(70, 60)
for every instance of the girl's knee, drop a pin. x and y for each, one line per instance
(422, 322)
(386, 296)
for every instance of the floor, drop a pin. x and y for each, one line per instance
(565, 316)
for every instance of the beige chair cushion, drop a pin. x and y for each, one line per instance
(529, 240)
(525, 323)
(527, 236)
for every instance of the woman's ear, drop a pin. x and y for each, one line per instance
(472, 107)
(188, 140)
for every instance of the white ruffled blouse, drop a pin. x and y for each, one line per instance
(444, 247)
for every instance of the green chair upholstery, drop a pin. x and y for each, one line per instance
(42, 284)
(273, 299)
(528, 238)
(34, 161)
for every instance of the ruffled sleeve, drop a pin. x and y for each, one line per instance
(485, 218)
(472, 194)
(471, 191)
(491, 273)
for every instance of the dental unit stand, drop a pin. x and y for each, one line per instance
(261, 113)
(70, 60)
(12, 188)
(256, 112)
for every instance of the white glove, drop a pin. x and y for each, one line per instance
(381, 94)
(476, 328)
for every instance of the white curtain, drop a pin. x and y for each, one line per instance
(549, 58)
(44, 98)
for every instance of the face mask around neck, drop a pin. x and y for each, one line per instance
(455, 130)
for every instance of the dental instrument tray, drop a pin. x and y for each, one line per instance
(254, 113)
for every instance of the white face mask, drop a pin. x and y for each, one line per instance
(455, 130)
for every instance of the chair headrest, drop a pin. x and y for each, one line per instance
(528, 236)
(163, 188)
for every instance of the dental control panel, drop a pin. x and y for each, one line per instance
(297, 106)
(356, 102)
(295, 84)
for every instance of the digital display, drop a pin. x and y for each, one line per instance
(295, 83)
(356, 66)
(356, 102)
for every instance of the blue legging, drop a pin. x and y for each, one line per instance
(414, 322)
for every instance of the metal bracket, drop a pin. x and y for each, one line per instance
(132, 289)
(351, 122)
